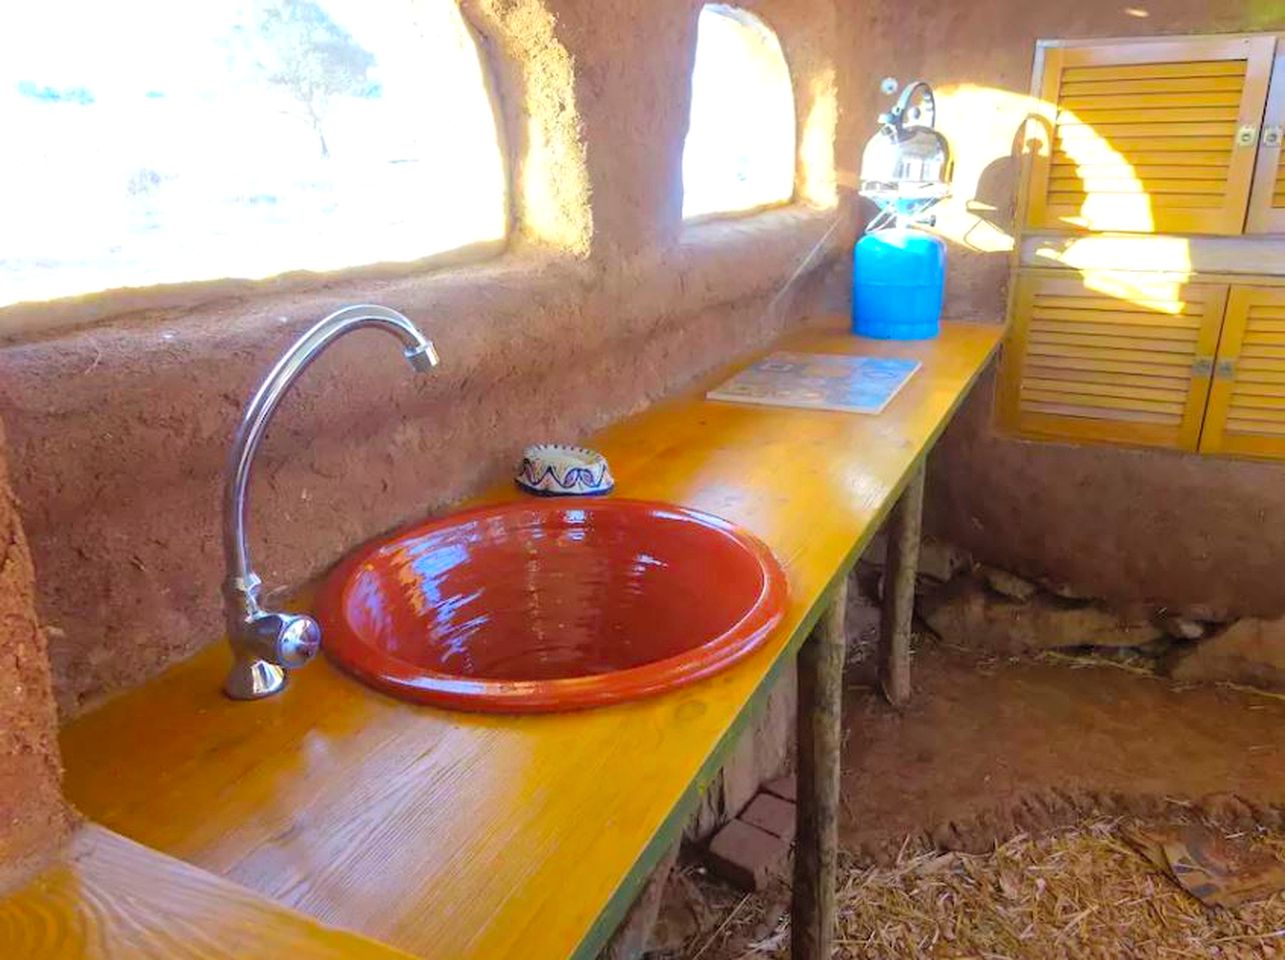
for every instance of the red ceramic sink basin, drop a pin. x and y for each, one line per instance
(554, 604)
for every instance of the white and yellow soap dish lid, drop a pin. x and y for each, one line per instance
(558, 470)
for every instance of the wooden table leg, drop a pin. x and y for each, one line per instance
(819, 731)
(899, 571)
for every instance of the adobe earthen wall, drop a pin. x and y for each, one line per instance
(33, 817)
(120, 415)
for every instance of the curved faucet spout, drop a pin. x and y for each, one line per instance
(267, 644)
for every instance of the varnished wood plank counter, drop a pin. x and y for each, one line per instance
(451, 835)
(109, 897)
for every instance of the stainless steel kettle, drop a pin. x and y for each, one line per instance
(907, 166)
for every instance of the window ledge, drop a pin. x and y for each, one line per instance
(38, 319)
(715, 261)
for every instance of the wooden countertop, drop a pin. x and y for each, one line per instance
(452, 835)
(109, 897)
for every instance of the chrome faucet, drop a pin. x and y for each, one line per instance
(266, 644)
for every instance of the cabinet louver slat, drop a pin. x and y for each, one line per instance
(1144, 137)
(1247, 401)
(1106, 358)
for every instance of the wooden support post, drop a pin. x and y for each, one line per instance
(900, 567)
(819, 729)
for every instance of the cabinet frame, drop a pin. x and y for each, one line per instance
(1105, 429)
(1247, 262)
(1215, 437)
(1053, 59)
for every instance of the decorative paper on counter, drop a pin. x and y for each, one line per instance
(819, 381)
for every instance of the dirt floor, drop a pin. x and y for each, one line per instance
(1042, 759)
(987, 748)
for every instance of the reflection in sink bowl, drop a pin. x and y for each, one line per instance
(552, 605)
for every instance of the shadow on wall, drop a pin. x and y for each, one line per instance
(992, 203)
(1096, 182)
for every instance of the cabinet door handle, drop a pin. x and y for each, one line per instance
(1247, 135)
(1225, 369)
(1202, 366)
(1273, 136)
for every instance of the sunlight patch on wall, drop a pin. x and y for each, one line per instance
(1156, 254)
(818, 183)
(1113, 193)
(988, 130)
(991, 131)
(740, 148)
(1162, 293)
(167, 142)
(552, 194)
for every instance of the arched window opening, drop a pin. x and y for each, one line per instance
(740, 148)
(158, 142)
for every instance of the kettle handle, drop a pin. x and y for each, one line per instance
(927, 116)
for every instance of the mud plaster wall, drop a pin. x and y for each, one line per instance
(603, 301)
(1127, 525)
(33, 818)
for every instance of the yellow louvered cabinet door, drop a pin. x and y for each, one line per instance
(1150, 136)
(1267, 201)
(1115, 357)
(1246, 413)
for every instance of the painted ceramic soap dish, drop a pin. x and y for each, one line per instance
(557, 470)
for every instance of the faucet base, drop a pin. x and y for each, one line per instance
(251, 679)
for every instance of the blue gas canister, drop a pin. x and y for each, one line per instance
(898, 280)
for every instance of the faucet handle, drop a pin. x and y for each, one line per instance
(267, 645)
(287, 639)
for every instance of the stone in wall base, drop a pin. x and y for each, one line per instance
(995, 612)
(1250, 652)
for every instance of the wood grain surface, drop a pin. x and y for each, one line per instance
(455, 836)
(108, 897)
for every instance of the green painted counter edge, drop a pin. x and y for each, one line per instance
(669, 832)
